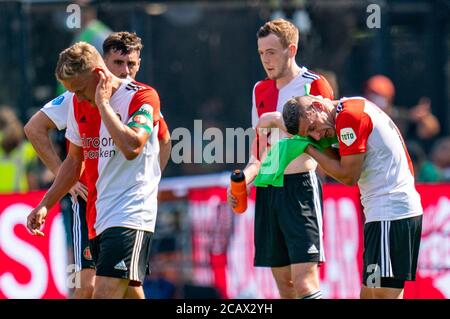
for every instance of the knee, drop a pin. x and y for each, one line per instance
(306, 283)
(101, 293)
(83, 292)
(285, 284)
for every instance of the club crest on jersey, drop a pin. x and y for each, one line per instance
(146, 108)
(140, 119)
(87, 253)
(58, 100)
(347, 136)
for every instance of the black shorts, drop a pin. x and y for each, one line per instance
(82, 256)
(288, 222)
(121, 252)
(391, 250)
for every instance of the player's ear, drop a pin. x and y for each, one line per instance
(292, 50)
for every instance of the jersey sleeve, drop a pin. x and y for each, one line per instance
(353, 129)
(144, 110)
(58, 108)
(73, 131)
(321, 87)
(163, 128)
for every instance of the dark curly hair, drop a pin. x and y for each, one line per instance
(122, 41)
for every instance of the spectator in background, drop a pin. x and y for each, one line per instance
(417, 123)
(440, 156)
(17, 157)
(435, 169)
(424, 169)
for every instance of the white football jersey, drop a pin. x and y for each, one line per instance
(122, 193)
(387, 178)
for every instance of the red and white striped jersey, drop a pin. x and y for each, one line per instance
(122, 193)
(58, 108)
(387, 179)
(268, 98)
(57, 111)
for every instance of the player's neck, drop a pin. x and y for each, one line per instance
(116, 83)
(290, 74)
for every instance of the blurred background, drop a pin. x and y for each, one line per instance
(201, 56)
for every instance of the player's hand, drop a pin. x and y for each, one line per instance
(36, 220)
(78, 190)
(103, 91)
(231, 200)
(421, 110)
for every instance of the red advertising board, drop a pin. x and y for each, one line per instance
(235, 276)
(223, 249)
(31, 266)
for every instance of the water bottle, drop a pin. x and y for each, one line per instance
(239, 190)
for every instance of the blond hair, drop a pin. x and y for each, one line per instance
(77, 59)
(283, 29)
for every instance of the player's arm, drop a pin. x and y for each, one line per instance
(267, 120)
(346, 170)
(258, 147)
(52, 116)
(271, 120)
(165, 144)
(67, 176)
(322, 87)
(130, 139)
(259, 151)
(37, 131)
(251, 169)
(254, 163)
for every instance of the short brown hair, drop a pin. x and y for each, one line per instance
(77, 59)
(295, 109)
(283, 29)
(122, 41)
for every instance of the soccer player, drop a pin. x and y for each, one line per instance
(122, 58)
(288, 219)
(372, 154)
(112, 125)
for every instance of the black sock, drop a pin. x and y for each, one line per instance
(314, 295)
